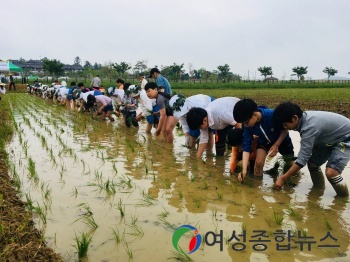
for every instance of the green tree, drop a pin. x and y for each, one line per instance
(140, 66)
(330, 71)
(77, 60)
(87, 65)
(122, 67)
(300, 71)
(54, 67)
(265, 71)
(177, 70)
(223, 71)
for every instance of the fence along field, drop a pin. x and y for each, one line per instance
(121, 192)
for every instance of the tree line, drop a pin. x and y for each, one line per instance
(175, 71)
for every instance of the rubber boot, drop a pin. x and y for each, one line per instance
(317, 177)
(339, 186)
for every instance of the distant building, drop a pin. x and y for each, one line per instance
(37, 65)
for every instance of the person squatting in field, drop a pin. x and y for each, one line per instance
(325, 137)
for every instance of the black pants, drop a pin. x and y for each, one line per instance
(220, 140)
(12, 84)
(130, 118)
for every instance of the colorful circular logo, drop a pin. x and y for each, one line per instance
(195, 241)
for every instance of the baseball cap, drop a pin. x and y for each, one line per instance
(153, 70)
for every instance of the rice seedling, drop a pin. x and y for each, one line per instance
(82, 244)
(278, 218)
(206, 186)
(327, 224)
(128, 250)
(294, 213)
(137, 231)
(124, 180)
(31, 167)
(197, 202)
(164, 214)
(134, 219)
(220, 195)
(121, 208)
(166, 182)
(89, 221)
(115, 168)
(117, 236)
(193, 178)
(214, 212)
(146, 201)
(180, 193)
(29, 201)
(75, 192)
(40, 212)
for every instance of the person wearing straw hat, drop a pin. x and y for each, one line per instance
(181, 106)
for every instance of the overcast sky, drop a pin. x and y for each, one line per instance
(245, 34)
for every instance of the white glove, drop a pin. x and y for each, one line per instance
(187, 141)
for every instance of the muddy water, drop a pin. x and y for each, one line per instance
(88, 170)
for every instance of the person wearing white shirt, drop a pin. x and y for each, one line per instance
(218, 115)
(143, 81)
(149, 110)
(181, 106)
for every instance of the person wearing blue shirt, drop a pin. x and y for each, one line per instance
(272, 139)
(162, 83)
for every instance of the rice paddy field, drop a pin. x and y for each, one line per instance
(99, 191)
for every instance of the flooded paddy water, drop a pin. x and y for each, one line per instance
(129, 191)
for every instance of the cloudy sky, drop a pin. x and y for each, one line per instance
(245, 34)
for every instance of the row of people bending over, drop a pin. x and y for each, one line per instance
(254, 132)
